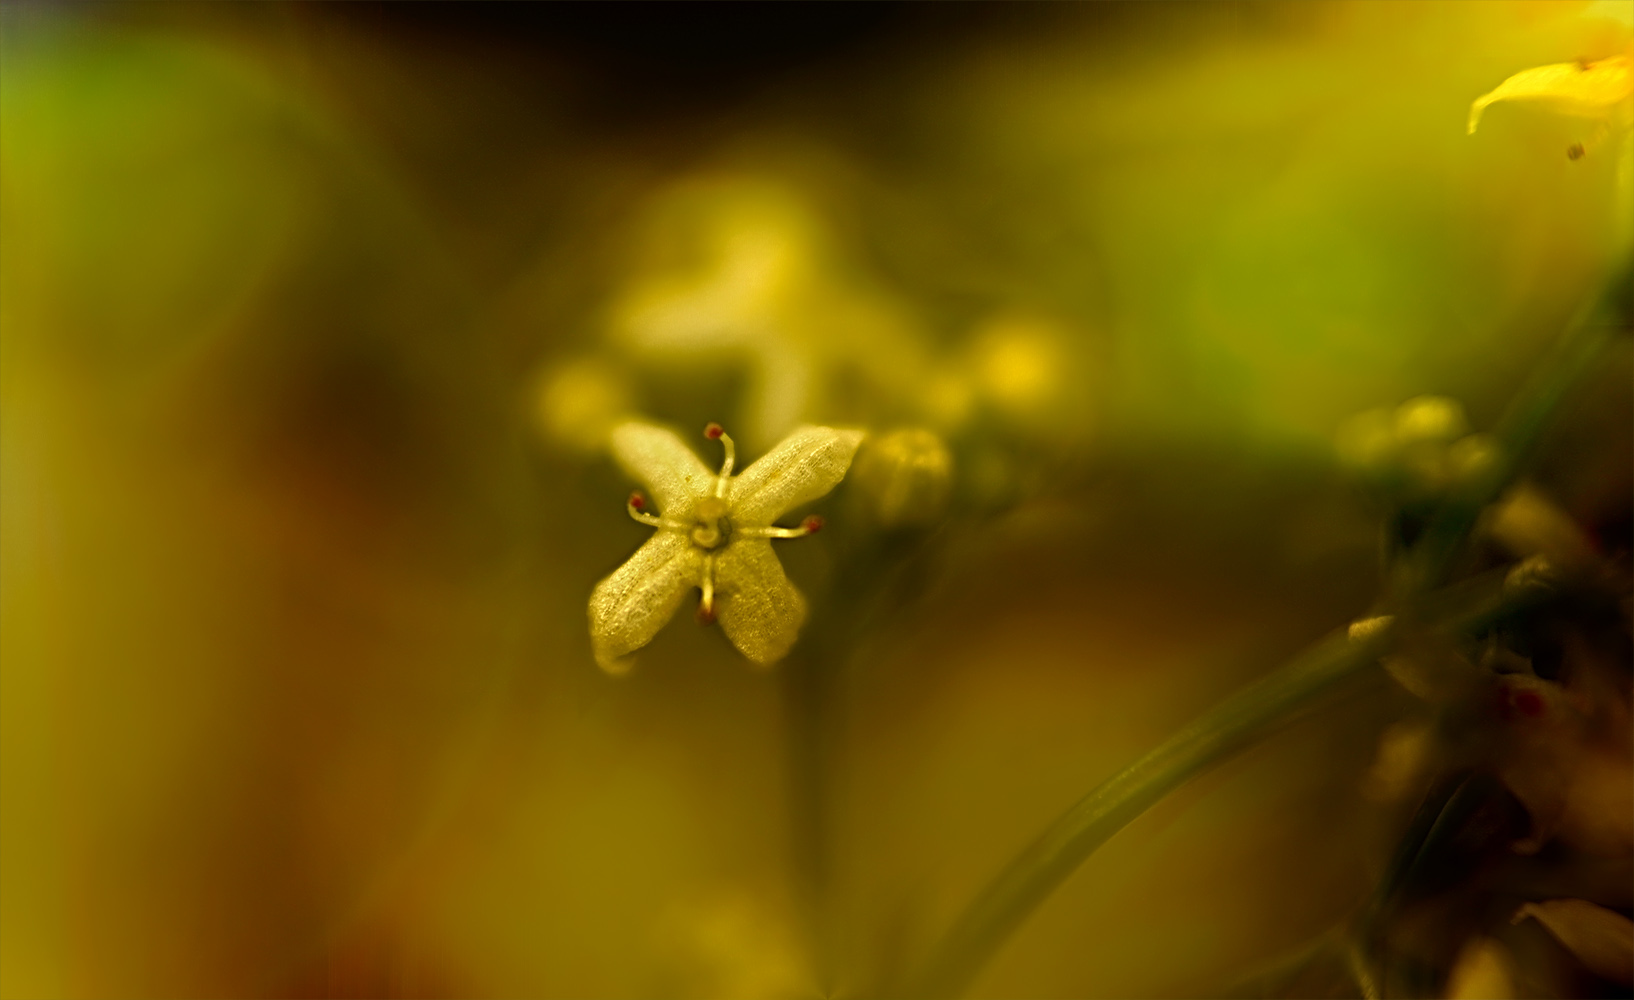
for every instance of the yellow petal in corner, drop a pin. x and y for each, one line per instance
(1581, 89)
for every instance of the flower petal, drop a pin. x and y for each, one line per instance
(804, 466)
(1585, 90)
(760, 611)
(664, 464)
(1602, 939)
(629, 607)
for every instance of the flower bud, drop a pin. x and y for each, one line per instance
(1527, 523)
(1024, 371)
(1424, 427)
(1430, 418)
(1418, 449)
(904, 476)
(581, 401)
(1018, 366)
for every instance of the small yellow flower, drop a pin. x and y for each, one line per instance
(714, 533)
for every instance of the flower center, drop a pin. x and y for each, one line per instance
(711, 529)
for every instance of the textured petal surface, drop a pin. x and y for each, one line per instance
(662, 462)
(759, 609)
(804, 466)
(629, 607)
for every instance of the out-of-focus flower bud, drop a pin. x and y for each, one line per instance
(1528, 524)
(1425, 426)
(904, 476)
(1367, 628)
(1421, 447)
(1430, 418)
(1018, 365)
(1022, 369)
(581, 401)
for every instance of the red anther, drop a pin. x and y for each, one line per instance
(812, 524)
(713, 431)
(706, 616)
(1528, 703)
(637, 501)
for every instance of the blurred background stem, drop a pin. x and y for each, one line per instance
(874, 574)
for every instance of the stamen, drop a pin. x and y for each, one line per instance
(715, 432)
(634, 507)
(706, 605)
(810, 526)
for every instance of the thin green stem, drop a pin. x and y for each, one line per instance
(1266, 705)
(1038, 870)
(873, 573)
(1236, 723)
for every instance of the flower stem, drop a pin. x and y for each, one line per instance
(1240, 721)
(1040, 868)
(1266, 705)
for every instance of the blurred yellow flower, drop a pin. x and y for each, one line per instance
(1581, 89)
(714, 532)
(751, 277)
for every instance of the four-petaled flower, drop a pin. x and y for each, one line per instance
(714, 533)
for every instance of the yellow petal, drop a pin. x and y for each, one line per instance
(659, 459)
(1581, 89)
(804, 466)
(629, 607)
(760, 611)
(1601, 939)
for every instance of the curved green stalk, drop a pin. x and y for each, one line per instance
(1037, 871)
(1238, 722)
(1251, 714)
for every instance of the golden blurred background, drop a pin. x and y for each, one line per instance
(314, 321)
